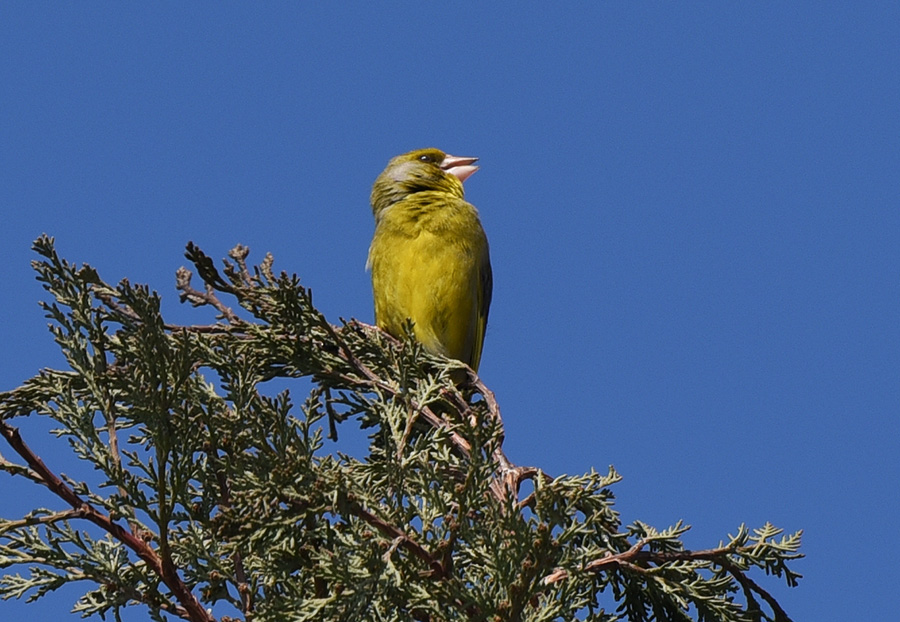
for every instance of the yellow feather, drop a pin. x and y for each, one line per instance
(429, 256)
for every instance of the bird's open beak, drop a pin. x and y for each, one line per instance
(461, 166)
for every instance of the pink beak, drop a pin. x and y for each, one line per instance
(460, 166)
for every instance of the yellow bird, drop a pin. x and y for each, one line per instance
(429, 256)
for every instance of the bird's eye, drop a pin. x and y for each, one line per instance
(425, 158)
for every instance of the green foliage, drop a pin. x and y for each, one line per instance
(214, 500)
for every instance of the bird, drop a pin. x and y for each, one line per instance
(429, 257)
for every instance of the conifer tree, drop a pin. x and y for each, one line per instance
(208, 499)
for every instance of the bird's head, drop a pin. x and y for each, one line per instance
(418, 171)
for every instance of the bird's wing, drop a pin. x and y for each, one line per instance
(484, 305)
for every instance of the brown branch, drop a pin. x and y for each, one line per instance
(374, 380)
(166, 571)
(352, 359)
(509, 476)
(720, 556)
(488, 395)
(107, 298)
(628, 556)
(637, 554)
(398, 536)
(751, 586)
(198, 298)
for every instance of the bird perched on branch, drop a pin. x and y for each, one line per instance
(429, 255)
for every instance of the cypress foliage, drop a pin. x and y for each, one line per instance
(212, 500)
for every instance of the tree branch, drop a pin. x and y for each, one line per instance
(198, 298)
(45, 519)
(397, 535)
(167, 572)
(720, 556)
(751, 586)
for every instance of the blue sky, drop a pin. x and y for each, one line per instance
(693, 211)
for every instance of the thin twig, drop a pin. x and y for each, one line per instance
(107, 298)
(751, 586)
(46, 519)
(18, 469)
(213, 329)
(719, 556)
(376, 381)
(399, 537)
(198, 298)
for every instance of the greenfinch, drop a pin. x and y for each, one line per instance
(429, 256)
